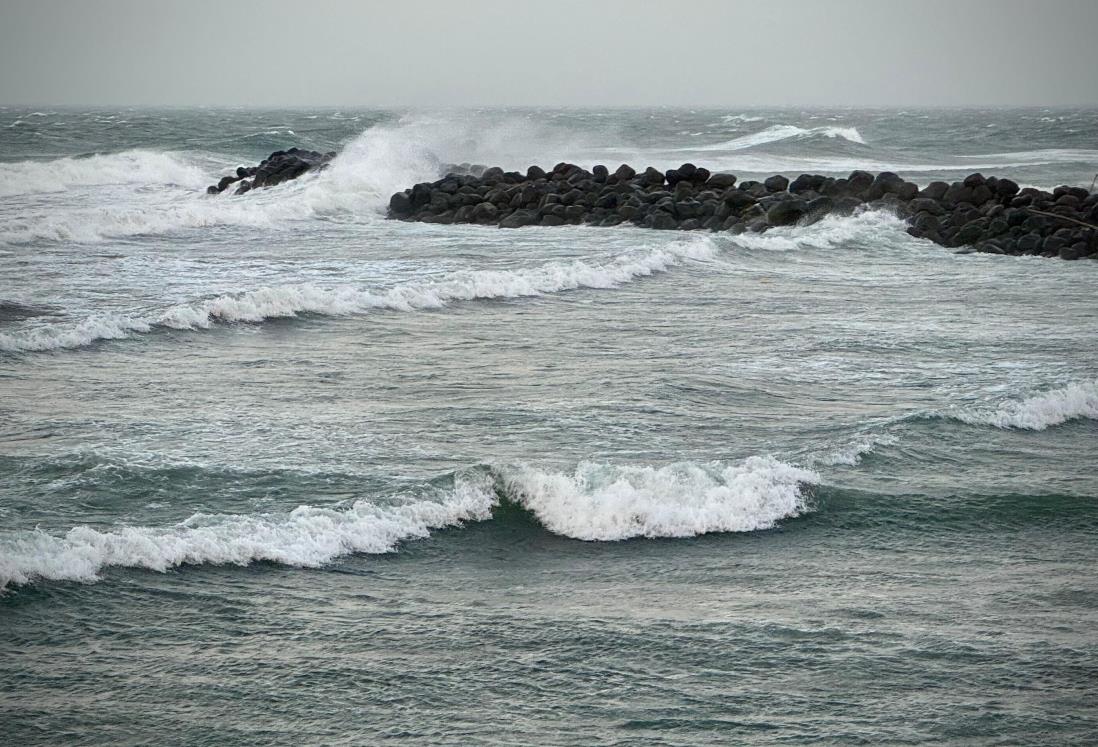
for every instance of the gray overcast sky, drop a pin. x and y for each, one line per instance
(489, 52)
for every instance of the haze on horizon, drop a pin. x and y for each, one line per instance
(565, 53)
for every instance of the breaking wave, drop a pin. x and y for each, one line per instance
(291, 300)
(776, 133)
(595, 502)
(864, 228)
(128, 167)
(607, 502)
(1036, 413)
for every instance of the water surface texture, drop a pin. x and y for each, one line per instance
(276, 470)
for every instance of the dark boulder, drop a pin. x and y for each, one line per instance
(859, 181)
(934, 191)
(720, 182)
(652, 177)
(776, 183)
(786, 212)
(624, 173)
(401, 203)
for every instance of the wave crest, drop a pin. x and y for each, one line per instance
(1036, 413)
(309, 536)
(289, 301)
(596, 502)
(606, 502)
(128, 167)
(777, 133)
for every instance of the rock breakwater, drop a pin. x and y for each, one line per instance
(280, 166)
(978, 214)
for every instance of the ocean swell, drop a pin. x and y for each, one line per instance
(128, 167)
(595, 502)
(777, 133)
(1054, 407)
(288, 301)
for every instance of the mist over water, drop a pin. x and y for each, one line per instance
(390, 480)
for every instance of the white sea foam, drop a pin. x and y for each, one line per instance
(596, 502)
(356, 186)
(308, 536)
(776, 133)
(607, 502)
(288, 301)
(128, 167)
(1036, 413)
(833, 231)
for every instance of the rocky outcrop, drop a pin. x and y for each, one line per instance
(280, 166)
(981, 214)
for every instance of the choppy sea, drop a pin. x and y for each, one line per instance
(277, 470)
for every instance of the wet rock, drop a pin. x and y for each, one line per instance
(786, 212)
(720, 182)
(979, 214)
(776, 183)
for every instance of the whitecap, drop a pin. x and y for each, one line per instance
(776, 133)
(595, 502)
(1038, 412)
(291, 300)
(127, 167)
(608, 502)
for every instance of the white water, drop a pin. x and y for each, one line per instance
(1041, 411)
(596, 502)
(287, 301)
(776, 133)
(140, 167)
(308, 536)
(607, 502)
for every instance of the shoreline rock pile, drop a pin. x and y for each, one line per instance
(280, 166)
(981, 214)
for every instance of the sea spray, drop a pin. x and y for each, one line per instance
(140, 167)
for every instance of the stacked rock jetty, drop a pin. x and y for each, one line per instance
(981, 214)
(280, 166)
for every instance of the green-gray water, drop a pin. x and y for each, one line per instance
(276, 470)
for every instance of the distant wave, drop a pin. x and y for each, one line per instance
(128, 167)
(776, 133)
(289, 301)
(595, 502)
(1036, 413)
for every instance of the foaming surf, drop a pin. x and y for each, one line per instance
(833, 231)
(356, 186)
(595, 502)
(143, 167)
(292, 300)
(1077, 400)
(609, 502)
